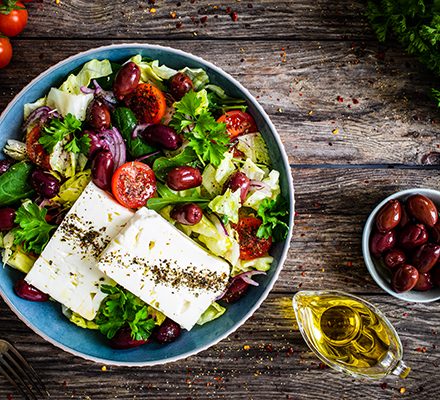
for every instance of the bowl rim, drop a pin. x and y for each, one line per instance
(370, 264)
(285, 163)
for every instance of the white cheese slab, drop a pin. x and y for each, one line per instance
(165, 268)
(66, 269)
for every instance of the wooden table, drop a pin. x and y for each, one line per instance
(357, 124)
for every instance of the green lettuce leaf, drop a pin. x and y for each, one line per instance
(214, 311)
(254, 147)
(259, 264)
(71, 189)
(227, 204)
(68, 103)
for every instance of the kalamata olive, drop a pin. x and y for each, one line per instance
(182, 178)
(28, 292)
(126, 80)
(7, 217)
(5, 165)
(422, 209)
(424, 282)
(413, 236)
(404, 278)
(435, 233)
(394, 258)
(45, 184)
(102, 169)
(237, 288)
(188, 214)
(162, 136)
(382, 242)
(389, 216)
(435, 275)
(98, 115)
(168, 332)
(404, 219)
(426, 257)
(180, 84)
(123, 340)
(239, 180)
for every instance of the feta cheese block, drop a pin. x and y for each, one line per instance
(165, 268)
(66, 269)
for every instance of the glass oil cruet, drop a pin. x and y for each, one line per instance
(349, 334)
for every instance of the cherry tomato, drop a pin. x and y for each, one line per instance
(35, 150)
(147, 102)
(13, 23)
(5, 52)
(133, 183)
(238, 123)
(250, 245)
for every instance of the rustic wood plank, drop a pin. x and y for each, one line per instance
(256, 19)
(393, 120)
(277, 364)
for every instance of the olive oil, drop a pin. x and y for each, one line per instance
(349, 334)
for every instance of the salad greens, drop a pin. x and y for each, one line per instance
(206, 136)
(275, 223)
(121, 308)
(72, 188)
(32, 232)
(213, 312)
(14, 183)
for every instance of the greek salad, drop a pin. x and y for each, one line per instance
(141, 198)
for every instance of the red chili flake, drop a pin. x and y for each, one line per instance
(179, 24)
(234, 16)
(173, 14)
(405, 314)
(228, 10)
(422, 349)
(383, 385)
(340, 99)
(355, 101)
(303, 274)
(322, 366)
(300, 285)
(290, 352)
(349, 263)
(10, 396)
(300, 94)
(204, 19)
(268, 347)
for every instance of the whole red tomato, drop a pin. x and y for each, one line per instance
(13, 17)
(5, 52)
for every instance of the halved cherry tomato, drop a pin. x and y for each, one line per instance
(250, 245)
(133, 183)
(35, 150)
(148, 103)
(13, 23)
(5, 52)
(238, 123)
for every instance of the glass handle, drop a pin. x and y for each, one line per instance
(401, 370)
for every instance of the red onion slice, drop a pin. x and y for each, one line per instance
(110, 140)
(246, 277)
(258, 185)
(39, 116)
(221, 228)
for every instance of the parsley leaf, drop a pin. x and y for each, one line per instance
(121, 308)
(33, 230)
(65, 129)
(206, 136)
(274, 214)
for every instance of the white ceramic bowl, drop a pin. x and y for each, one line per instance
(377, 270)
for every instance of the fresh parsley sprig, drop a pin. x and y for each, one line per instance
(32, 232)
(121, 308)
(206, 136)
(65, 129)
(274, 214)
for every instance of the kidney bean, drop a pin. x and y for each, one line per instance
(394, 258)
(102, 169)
(126, 80)
(382, 242)
(239, 180)
(404, 278)
(426, 257)
(188, 214)
(28, 292)
(182, 178)
(389, 216)
(236, 289)
(422, 209)
(7, 218)
(180, 84)
(98, 115)
(162, 136)
(168, 332)
(45, 184)
(123, 340)
(424, 282)
(413, 236)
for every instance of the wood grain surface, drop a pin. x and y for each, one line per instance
(357, 123)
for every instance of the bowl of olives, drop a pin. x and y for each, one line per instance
(401, 245)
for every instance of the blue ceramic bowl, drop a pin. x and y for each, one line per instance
(46, 319)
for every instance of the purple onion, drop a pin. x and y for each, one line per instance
(221, 228)
(154, 153)
(245, 277)
(110, 140)
(105, 95)
(86, 90)
(258, 185)
(39, 116)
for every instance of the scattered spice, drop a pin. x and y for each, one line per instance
(402, 390)
(204, 19)
(173, 14)
(153, 10)
(289, 352)
(103, 368)
(335, 131)
(246, 347)
(340, 99)
(355, 101)
(383, 385)
(422, 349)
(234, 16)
